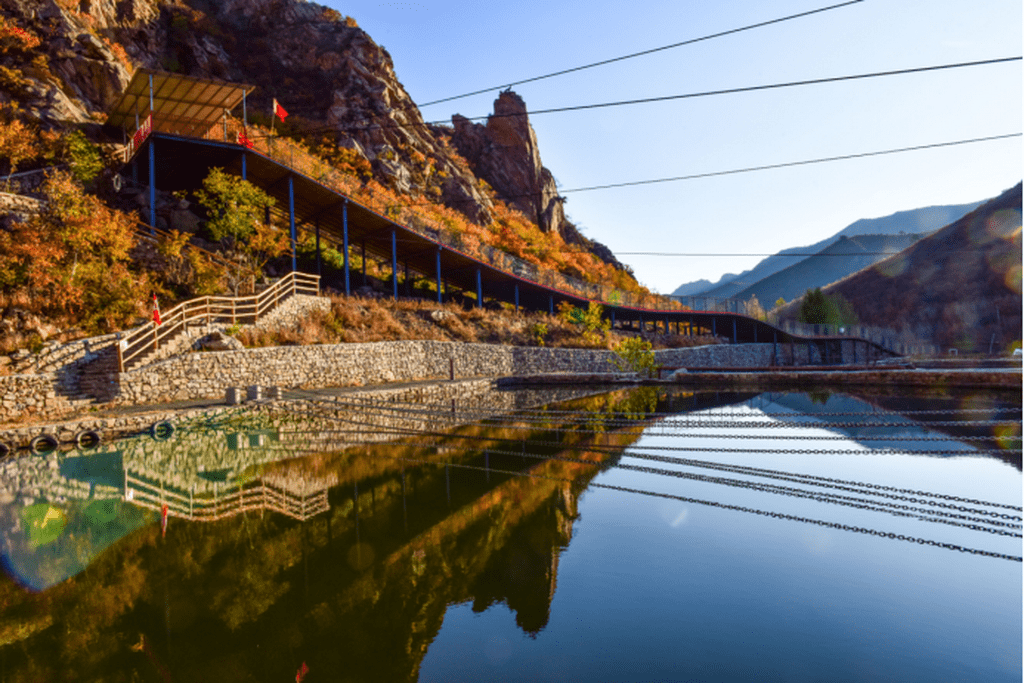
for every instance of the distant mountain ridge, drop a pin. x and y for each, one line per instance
(920, 221)
(843, 257)
(959, 287)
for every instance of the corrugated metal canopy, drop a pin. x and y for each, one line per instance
(181, 104)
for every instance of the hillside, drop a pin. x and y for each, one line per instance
(843, 257)
(63, 64)
(923, 220)
(959, 288)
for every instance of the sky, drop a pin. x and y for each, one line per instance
(725, 224)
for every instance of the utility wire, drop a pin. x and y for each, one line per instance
(787, 164)
(644, 52)
(663, 98)
(752, 88)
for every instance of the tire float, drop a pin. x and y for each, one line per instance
(161, 431)
(44, 443)
(87, 440)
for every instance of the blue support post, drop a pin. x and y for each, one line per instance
(517, 297)
(755, 333)
(152, 183)
(394, 266)
(319, 270)
(437, 256)
(612, 313)
(714, 327)
(479, 290)
(244, 173)
(344, 245)
(734, 330)
(291, 219)
(551, 305)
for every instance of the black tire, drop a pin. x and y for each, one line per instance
(161, 431)
(87, 440)
(44, 443)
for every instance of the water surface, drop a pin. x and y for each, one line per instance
(629, 536)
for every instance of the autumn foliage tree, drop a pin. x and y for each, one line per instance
(71, 261)
(236, 210)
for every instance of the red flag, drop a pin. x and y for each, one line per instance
(279, 111)
(156, 311)
(301, 673)
(243, 139)
(163, 521)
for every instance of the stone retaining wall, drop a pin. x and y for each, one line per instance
(207, 375)
(210, 374)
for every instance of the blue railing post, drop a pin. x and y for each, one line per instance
(734, 336)
(244, 170)
(479, 290)
(517, 297)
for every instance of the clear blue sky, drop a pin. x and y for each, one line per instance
(445, 48)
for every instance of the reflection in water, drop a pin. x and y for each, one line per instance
(388, 515)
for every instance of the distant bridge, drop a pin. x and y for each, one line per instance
(182, 130)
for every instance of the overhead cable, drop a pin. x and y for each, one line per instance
(667, 98)
(642, 53)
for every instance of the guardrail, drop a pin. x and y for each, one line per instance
(885, 337)
(133, 348)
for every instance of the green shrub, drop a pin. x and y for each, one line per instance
(635, 355)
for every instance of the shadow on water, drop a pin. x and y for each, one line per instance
(331, 533)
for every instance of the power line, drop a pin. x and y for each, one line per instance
(752, 88)
(666, 98)
(747, 169)
(643, 52)
(821, 160)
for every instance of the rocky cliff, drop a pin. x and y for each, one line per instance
(332, 76)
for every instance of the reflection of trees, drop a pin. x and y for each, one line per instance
(360, 590)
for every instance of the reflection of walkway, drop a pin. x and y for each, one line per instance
(298, 498)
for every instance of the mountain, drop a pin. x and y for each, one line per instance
(924, 220)
(692, 288)
(843, 257)
(65, 63)
(959, 287)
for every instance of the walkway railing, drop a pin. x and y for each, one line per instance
(136, 346)
(297, 157)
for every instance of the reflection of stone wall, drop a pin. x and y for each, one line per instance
(215, 449)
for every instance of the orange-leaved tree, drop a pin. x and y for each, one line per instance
(71, 260)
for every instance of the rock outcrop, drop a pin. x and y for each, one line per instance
(504, 152)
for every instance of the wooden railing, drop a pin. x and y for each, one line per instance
(227, 502)
(134, 347)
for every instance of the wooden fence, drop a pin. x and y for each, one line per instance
(134, 347)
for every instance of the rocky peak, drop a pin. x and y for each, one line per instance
(504, 152)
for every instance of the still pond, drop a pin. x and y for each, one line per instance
(560, 535)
